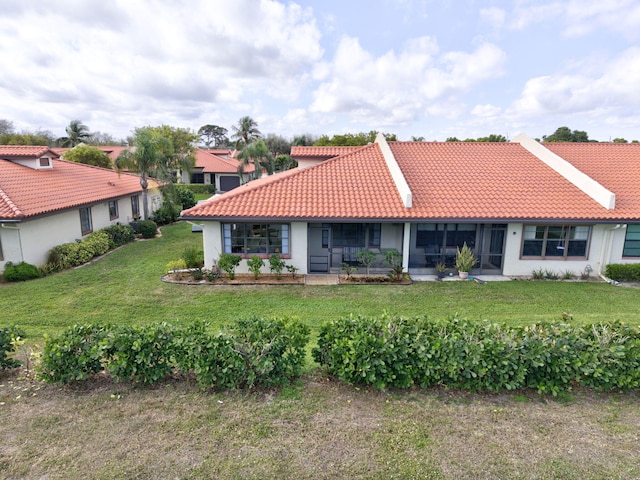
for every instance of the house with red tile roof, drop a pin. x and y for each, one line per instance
(45, 201)
(520, 206)
(219, 168)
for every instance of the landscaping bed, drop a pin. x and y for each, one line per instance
(186, 278)
(363, 279)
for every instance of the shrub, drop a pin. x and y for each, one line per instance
(7, 345)
(20, 272)
(228, 262)
(193, 256)
(167, 213)
(69, 255)
(147, 228)
(623, 272)
(175, 265)
(98, 243)
(186, 197)
(74, 355)
(255, 264)
(119, 234)
(276, 265)
(200, 188)
(366, 258)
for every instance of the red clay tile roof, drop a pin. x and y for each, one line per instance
(15, 151)
(112, 151)
(320, 152)
(26, 192)
(211, 163)
(616, 166)
(448, 180)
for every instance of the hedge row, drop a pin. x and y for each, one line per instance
(623, 272)
(250, 352)
(401, 352)
(7, 334)
(200, 188)
(69, 255)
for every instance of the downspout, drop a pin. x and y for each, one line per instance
(5, 227)
(604, 257)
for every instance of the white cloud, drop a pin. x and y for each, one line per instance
(494, 17)
(398, 87)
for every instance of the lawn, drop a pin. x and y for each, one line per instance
(316, 428)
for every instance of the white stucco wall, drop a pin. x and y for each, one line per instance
(213, 247)
(596, 258)
(31, 240)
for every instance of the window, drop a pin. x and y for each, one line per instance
(632, 241)
(256, 238)
(555, 241)
(197, 178)
(85, 221)
(360, 235)
(442, 235)
(135, 206)
(44, 161)
(113, 209)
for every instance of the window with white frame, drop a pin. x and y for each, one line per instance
(113, 209)
(86, 225)
(632, 241)
(555, 241)
(256, 238)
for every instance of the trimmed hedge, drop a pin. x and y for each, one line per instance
(623, 272)
(251, 352)
(20, 272)
(200, 188)
(147, 228)
(7, 334)
(398, 352)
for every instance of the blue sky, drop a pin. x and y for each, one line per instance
(433, 69)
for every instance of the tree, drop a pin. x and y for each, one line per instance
(6, 126)
(245, 132)
(88, 155)
(620, 140)
(99, 138)
(259, 155)
(40, 137)
(564, 134)
(277, 145)
(304, 140)
(148, 157)
(77, 132)
(417, 139)
(350, 139)
(183, 143)
(492, 138)
(213, 135)
(284, 162)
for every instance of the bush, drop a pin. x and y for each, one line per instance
(175, 265)
(255, 264)
(480, 355)
(74, 355)
(7, 335)
(119, 234)
(20, 272)
(186, 197)
(147, 228)
(98, 243)
(200, 188)
(193, 256)
(276, 265)
(167, 213)
(623, 272)
(228, 262)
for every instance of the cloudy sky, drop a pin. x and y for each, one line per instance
(430, 68)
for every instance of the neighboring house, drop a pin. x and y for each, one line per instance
(217, 167)
(45, 201)
(520, 206)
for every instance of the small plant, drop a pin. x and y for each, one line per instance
(465, 259)
(255, 263)
(538, 274)
(276, 264)
(348, 269)
(366, 258)
(228, 262)
(551, 275)
(567, 275)
(393, 259)
(212, 275)
(441, 267)
(197, 274)
(175, 265)
(292, 270)
(8, 345)
(193, 256)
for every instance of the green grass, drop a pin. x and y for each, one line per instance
(125, 287)
(316, 427)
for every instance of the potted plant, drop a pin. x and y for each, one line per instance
(465, 261)
(441, 269)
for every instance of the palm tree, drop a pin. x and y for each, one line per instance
(148, 156)
(259, 155)
(77, 132)
(245, 132)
